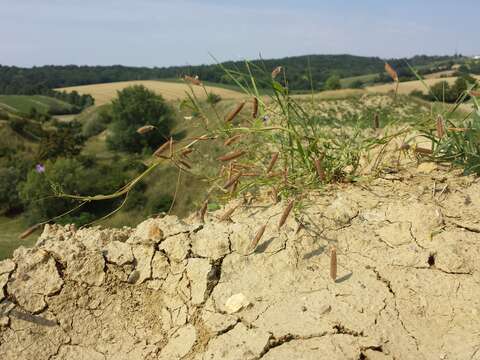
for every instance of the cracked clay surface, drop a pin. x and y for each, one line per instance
(408, 283)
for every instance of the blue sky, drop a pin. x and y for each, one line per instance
(162, 33)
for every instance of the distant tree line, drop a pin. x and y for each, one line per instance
(302, 72)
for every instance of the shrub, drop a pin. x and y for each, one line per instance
(333, 83)
(137, 106)
(213, 98)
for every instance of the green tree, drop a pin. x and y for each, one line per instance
(333, 82)
(137, 106)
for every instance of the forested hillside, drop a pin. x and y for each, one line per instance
(39, 80)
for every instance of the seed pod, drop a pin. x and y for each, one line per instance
(232, 155)
(405, 146)
(203, 211)
(186, 152)
(29, 231)
(475, 93)
(440, 127)
(276, 71)
(232, 181)
(257, 237)
(235, 112)
(162, 148)
(285, 213)
(231, 140)
(274, 195)
(145, 129)
(391, 72)
(228, 213)
(185, 163)
(275, 174)
(319, 169)
(255, 108)
(420, 150)
(333, 263)
(376, 121)
(192, 80)
(273, 160)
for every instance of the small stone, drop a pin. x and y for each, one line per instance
(118, 253)
(235, 303)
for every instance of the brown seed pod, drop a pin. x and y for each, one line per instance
(440, 127)
(231, 140)
(391, 72)
(275, 195)
(276, 71)
(192, 80)
(145, 129)
(29, 231)
(228, 213)
(232, 155)
(185, 163)
(333, 263)
(319, 169)
(203, 211)
(273, 160)
(376, 121)
(162, 148)
(235, 112)
(475, 93)
(285, 213)
(257, 237)
(255, 108)
(186, 152)
(232, 181)
(420, 150)
(275, 174)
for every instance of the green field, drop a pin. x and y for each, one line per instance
(11, 228)
(42, 104)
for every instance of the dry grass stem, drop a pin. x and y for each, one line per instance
(185, 163)
(235, 112)
(232, 155)
(333, 263)
(285, 213)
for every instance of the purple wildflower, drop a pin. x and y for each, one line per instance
(40, 168)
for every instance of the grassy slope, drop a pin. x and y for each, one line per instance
(10, 230)
(23, 103)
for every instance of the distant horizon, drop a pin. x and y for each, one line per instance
(229, 60)
(163, 33)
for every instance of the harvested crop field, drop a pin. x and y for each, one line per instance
(104, 93)
(407, 87)
(407, 285)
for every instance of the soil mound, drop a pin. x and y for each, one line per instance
(408, 284)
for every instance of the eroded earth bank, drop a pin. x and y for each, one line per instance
(408, 282)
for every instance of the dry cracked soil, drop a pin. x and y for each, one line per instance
(408, 283)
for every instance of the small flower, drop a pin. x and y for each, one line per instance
(265, 118)
(40, 168)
